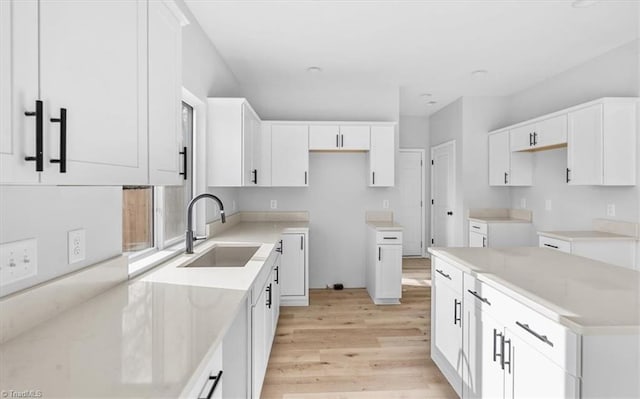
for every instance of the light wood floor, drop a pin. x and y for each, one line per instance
(344, 346)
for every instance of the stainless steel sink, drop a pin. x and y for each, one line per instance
(225, 256)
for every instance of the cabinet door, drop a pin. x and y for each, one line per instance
(289, 155)
(382, 156)
(93, 63)
(248, 137)
(477, 240)
(165, 94)
(324, 137)
(448, 325)
(584, 154)
(18, 90)
(499, 155)
(521, 138)
(483, 375)
(354, 137)
(550, 132)
(275, 297)
(533, 375)
(258, 343)
(261, 155)
(389, 271)
(292, 270)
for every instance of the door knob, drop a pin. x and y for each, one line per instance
(450, 213)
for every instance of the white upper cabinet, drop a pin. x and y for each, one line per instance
(602, 144)
(90, 125)
(339, 137)
(167, 157)
(382, 156)
(232, 127)
(289, 155)
(544, 134)
(508, 168)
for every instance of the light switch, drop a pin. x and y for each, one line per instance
(611, 210)
(274, 204)
(18, 260)
(385, 204)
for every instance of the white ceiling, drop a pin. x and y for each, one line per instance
(417, 46)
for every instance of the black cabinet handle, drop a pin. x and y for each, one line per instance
(528, 329)
(255, 176)
(568, 179)
(185, 163)
(269, 298)
(389, 238)
(302, 243)
(475, 293)
(484, 242)
(506, 362)
(281, 247)
(506, 176)
(445, 275)
(342, 140)
(530, 139)
(457, 318)
(62, 161)
(535, 138)
(305, 177)
(337, 141)
(475, 227)
(379, 253)
(551, 246)
(39, 157)
(497, 334)
(216, 379)
(277, 279)
(373, 174)
(450, 213)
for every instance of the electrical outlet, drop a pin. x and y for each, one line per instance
(18, 260)
(274, 204)
(385, 204)
(611, 210)
(547, 205)
(523, 203)
(76, 240)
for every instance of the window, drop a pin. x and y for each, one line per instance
(154, 217)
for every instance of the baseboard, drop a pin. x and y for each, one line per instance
(294, 301)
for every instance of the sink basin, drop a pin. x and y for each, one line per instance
(225, 256)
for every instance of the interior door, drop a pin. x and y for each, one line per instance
(443, 194)
(93, 63)
(409, 214)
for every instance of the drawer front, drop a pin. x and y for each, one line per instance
(478, 227)
(444, 273)
(487, 298)
(389, 237)
(554, 243)
(551, 339)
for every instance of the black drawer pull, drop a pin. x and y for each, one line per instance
(475, 293)
(216, 379)
(475, 227)
(62, 161)
(390, 238)
(551, 246)
(528, 329)
(443, 274)
(38, 158)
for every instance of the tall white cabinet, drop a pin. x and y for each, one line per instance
(382, 156)
(76, 106)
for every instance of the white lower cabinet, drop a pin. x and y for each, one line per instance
(293, 271)
(499, 235)
(620, 252)
(384, 266)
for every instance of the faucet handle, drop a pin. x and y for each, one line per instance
(199, 238)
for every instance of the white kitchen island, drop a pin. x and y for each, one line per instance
(533, 322)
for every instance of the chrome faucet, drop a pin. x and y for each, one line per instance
(190, 237)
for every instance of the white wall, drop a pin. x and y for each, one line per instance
(616, 73)
(47, 213)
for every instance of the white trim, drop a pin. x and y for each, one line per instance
(423, 220)
(451, 143)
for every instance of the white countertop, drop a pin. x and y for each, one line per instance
(384, 226)
(588, 235)
(584, 295)
(145, 338)
(498, 220)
